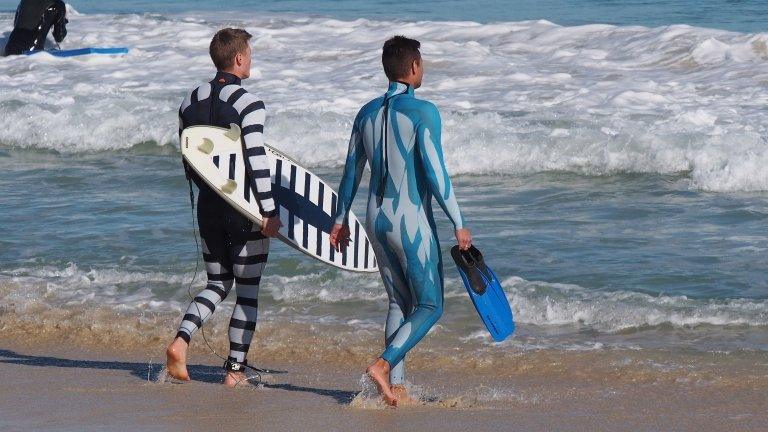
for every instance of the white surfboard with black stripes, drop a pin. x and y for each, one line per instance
(306, 202)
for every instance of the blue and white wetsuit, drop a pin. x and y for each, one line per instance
(399, 136)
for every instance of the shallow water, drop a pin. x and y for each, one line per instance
(614, 176)
(621, 261)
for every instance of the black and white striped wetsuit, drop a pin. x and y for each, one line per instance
(234, 249)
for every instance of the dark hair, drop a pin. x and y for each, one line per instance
(226, 44)
(398, 54)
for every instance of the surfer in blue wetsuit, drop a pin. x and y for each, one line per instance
(234, 250)
(399, 136)
(34, 19)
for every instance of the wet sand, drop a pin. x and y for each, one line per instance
(68, 388)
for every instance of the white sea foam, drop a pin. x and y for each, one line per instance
(536, 303)
(51, 287)
(160, 291)
(318, 287)
(596, 99)
(550, 304)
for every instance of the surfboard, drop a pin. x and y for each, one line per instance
(306, 202)
(83, 51)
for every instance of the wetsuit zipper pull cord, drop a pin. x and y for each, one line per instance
(384, 154)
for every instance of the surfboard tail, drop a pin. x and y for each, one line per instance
(306, 202)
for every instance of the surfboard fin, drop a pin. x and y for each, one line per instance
(229, 187)
(485, 291)
(233, 133)
(206, 147)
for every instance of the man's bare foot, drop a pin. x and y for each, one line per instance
(402, 396)
(379, 373)
(176, 359)
(235, 378)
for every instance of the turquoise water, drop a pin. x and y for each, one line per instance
(602, 254)
(614, 175)
(744, 16)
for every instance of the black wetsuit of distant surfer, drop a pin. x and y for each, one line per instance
(234, 249)
(34, 19)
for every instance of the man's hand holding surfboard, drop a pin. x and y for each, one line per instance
(270, 226)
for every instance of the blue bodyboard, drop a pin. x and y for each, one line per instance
(83, 51)
(485, 291)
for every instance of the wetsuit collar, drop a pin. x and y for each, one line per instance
(227, 78)
(398, 88)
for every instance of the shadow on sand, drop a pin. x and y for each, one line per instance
(150, 372)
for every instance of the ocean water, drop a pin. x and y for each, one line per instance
(610, 160)
(741, 15)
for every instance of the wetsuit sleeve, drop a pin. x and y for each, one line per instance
(252, 114)
(60, 23)
(431, 155)
(353, 172)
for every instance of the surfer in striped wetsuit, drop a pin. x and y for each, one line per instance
(235, 251)
(399, 136)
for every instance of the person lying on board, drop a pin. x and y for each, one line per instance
(33, 21)
(235, 250)
(399, 136)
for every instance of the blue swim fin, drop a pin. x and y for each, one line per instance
(485, 291)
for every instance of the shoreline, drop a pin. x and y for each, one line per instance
(53, 386)
(342, 347)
